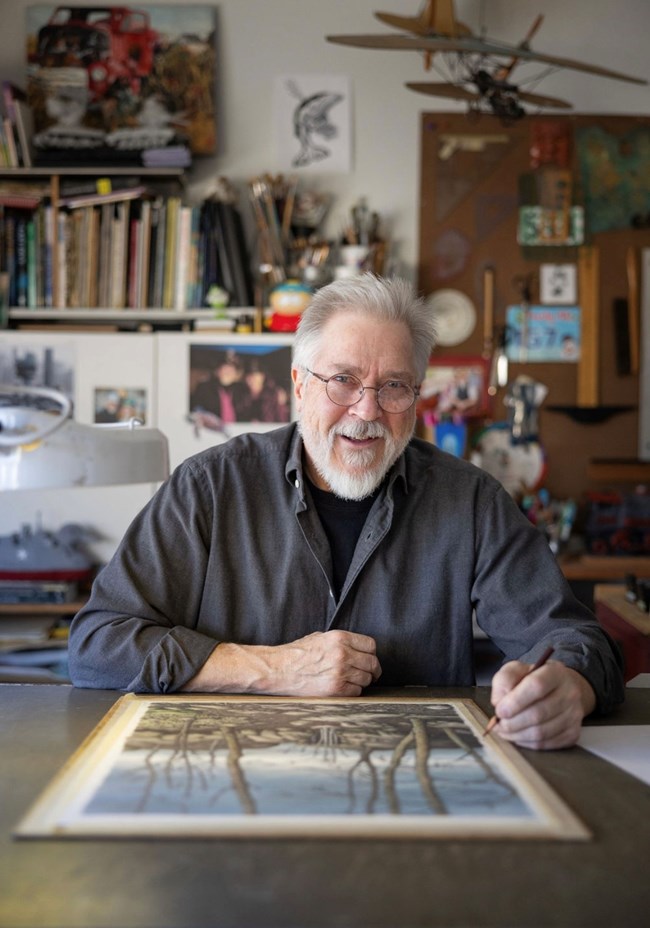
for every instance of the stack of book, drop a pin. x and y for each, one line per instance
(129, 248)
(16, 128)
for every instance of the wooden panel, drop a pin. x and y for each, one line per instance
(587, 393)
(470, 187)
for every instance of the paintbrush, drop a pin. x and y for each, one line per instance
(538, 663)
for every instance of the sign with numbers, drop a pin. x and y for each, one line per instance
(543, 333)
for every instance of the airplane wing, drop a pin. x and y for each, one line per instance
(454, 92)
(476, 46)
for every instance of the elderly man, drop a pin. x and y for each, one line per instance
(332, 554)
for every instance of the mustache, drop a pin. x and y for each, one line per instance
(360, 430)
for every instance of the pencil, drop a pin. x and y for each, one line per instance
(538, 663)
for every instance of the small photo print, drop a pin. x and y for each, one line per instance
(120, 404)
(239, 383)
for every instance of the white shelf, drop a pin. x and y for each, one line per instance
(118, 315)
(133, 170)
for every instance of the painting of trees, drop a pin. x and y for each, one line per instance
(305, 758)
(262, 766)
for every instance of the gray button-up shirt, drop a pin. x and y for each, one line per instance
(231, 549)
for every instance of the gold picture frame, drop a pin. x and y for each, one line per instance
(268, 767)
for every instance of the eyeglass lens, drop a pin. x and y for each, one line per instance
(393, 396)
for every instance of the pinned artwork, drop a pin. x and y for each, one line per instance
(543, 333)
(312, 120)
(558, 284)
(236, 766)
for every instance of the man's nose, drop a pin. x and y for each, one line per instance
(367, 408)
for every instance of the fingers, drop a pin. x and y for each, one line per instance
(334, 663)
(514, 687)
(541, 710)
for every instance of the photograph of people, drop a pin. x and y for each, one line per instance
(246, 383)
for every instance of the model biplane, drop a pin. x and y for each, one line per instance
(475, 69)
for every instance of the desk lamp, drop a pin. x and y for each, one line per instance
(42, 446)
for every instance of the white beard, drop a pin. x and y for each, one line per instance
(342, 483)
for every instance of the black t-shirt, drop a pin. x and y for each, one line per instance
(343, 520)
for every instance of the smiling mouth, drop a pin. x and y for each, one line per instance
(360, 442)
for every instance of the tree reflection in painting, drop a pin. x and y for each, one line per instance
(298, 759)
(232, 766)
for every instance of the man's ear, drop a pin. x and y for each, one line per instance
(297, 376)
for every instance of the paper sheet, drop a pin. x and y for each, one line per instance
(626, 746)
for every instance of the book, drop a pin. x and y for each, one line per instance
(31, 230)
(159, 258)
(21, 261)
(119, 255)
(4, 154)
(183, 257)
(10, 254)
(97, 199)
(133, 249)
(92, 284)
(105, 247)
(19, 113)
(48, 255)
(145, 254)
(11, 152)
(60, 259)
(171, 247)
(25, 128)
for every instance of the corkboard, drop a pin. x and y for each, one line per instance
(474, 173)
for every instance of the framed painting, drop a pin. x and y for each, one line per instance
(111, 81)
(237, 766)
(212, 387)
(455, 386)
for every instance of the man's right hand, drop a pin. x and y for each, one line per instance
(334, 663)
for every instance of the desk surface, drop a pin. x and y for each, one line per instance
(182, 884)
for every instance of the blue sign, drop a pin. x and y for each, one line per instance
(543, 333)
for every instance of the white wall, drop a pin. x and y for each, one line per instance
(259, 39)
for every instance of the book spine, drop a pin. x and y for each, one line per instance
(21, 261)
(63, 233)
(4, 152)
(11, 152)
(145, 252)
(48, 256)
(30, 238)
(169, 280)
(105, 223)
(183, 257)
(161, 240)
(10, 256)
(23, 123)
(133, 251)
(193, 288)
(93, 264)
(122, 254)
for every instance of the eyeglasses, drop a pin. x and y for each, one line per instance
(394, 396)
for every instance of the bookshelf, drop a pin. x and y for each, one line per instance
(92, 242)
